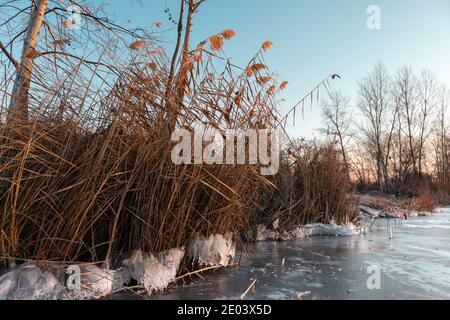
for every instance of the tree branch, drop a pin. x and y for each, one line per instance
(10, 57)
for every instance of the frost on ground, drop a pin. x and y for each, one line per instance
(215, 250)
(31, 282)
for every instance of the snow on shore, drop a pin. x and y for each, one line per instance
(306, 231)
(215, 250)
(31, 282)
(154, 273)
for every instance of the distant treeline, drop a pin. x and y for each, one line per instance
(399, 139)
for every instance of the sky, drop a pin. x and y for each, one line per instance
(313, 39)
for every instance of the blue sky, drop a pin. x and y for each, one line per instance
(314, 38)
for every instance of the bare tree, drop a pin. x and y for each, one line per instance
(177, 49)
(397, 158)
(337, 117)
(374, 99)
(19, 97)
(184, 59)
(441, 143)
(406, 89)
(48, 44)
(427, 90)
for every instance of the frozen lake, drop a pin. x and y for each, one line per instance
(415, 264)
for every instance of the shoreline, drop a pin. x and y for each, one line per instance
(154, 273)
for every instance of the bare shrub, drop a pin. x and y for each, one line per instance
(424, 201)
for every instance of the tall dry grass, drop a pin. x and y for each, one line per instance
(90, 174)
(88, 178)
(312, 187)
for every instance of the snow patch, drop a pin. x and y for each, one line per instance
(319, 229)
(30, 282)
(309, 230)
(215, 250)
(155, 273)
(264, 234)
(95, 283)
(373, 213)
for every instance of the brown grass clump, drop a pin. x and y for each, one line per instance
(137, 44)
(267, 45)
(424, 201)
(271, 90)
(312, 186)
(87, 179)
(216, 42)
(88, 174)
(228, 34)
(284, 85)
(70, 195)
(264, 79)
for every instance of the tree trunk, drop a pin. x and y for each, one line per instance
(387, 177)
(183, 74)
(379, 157)
(182, 80)
(380, 175)
(18, 108)
(344, 154)
(175, 53)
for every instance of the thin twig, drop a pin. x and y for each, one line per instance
(248, 290)
(189, 274)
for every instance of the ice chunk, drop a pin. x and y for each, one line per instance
(299, 233)
(29, 282)
(309, 230)
(98, 282)
(319, 229)
(215, 250)
(155, 273)
(264, 234)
